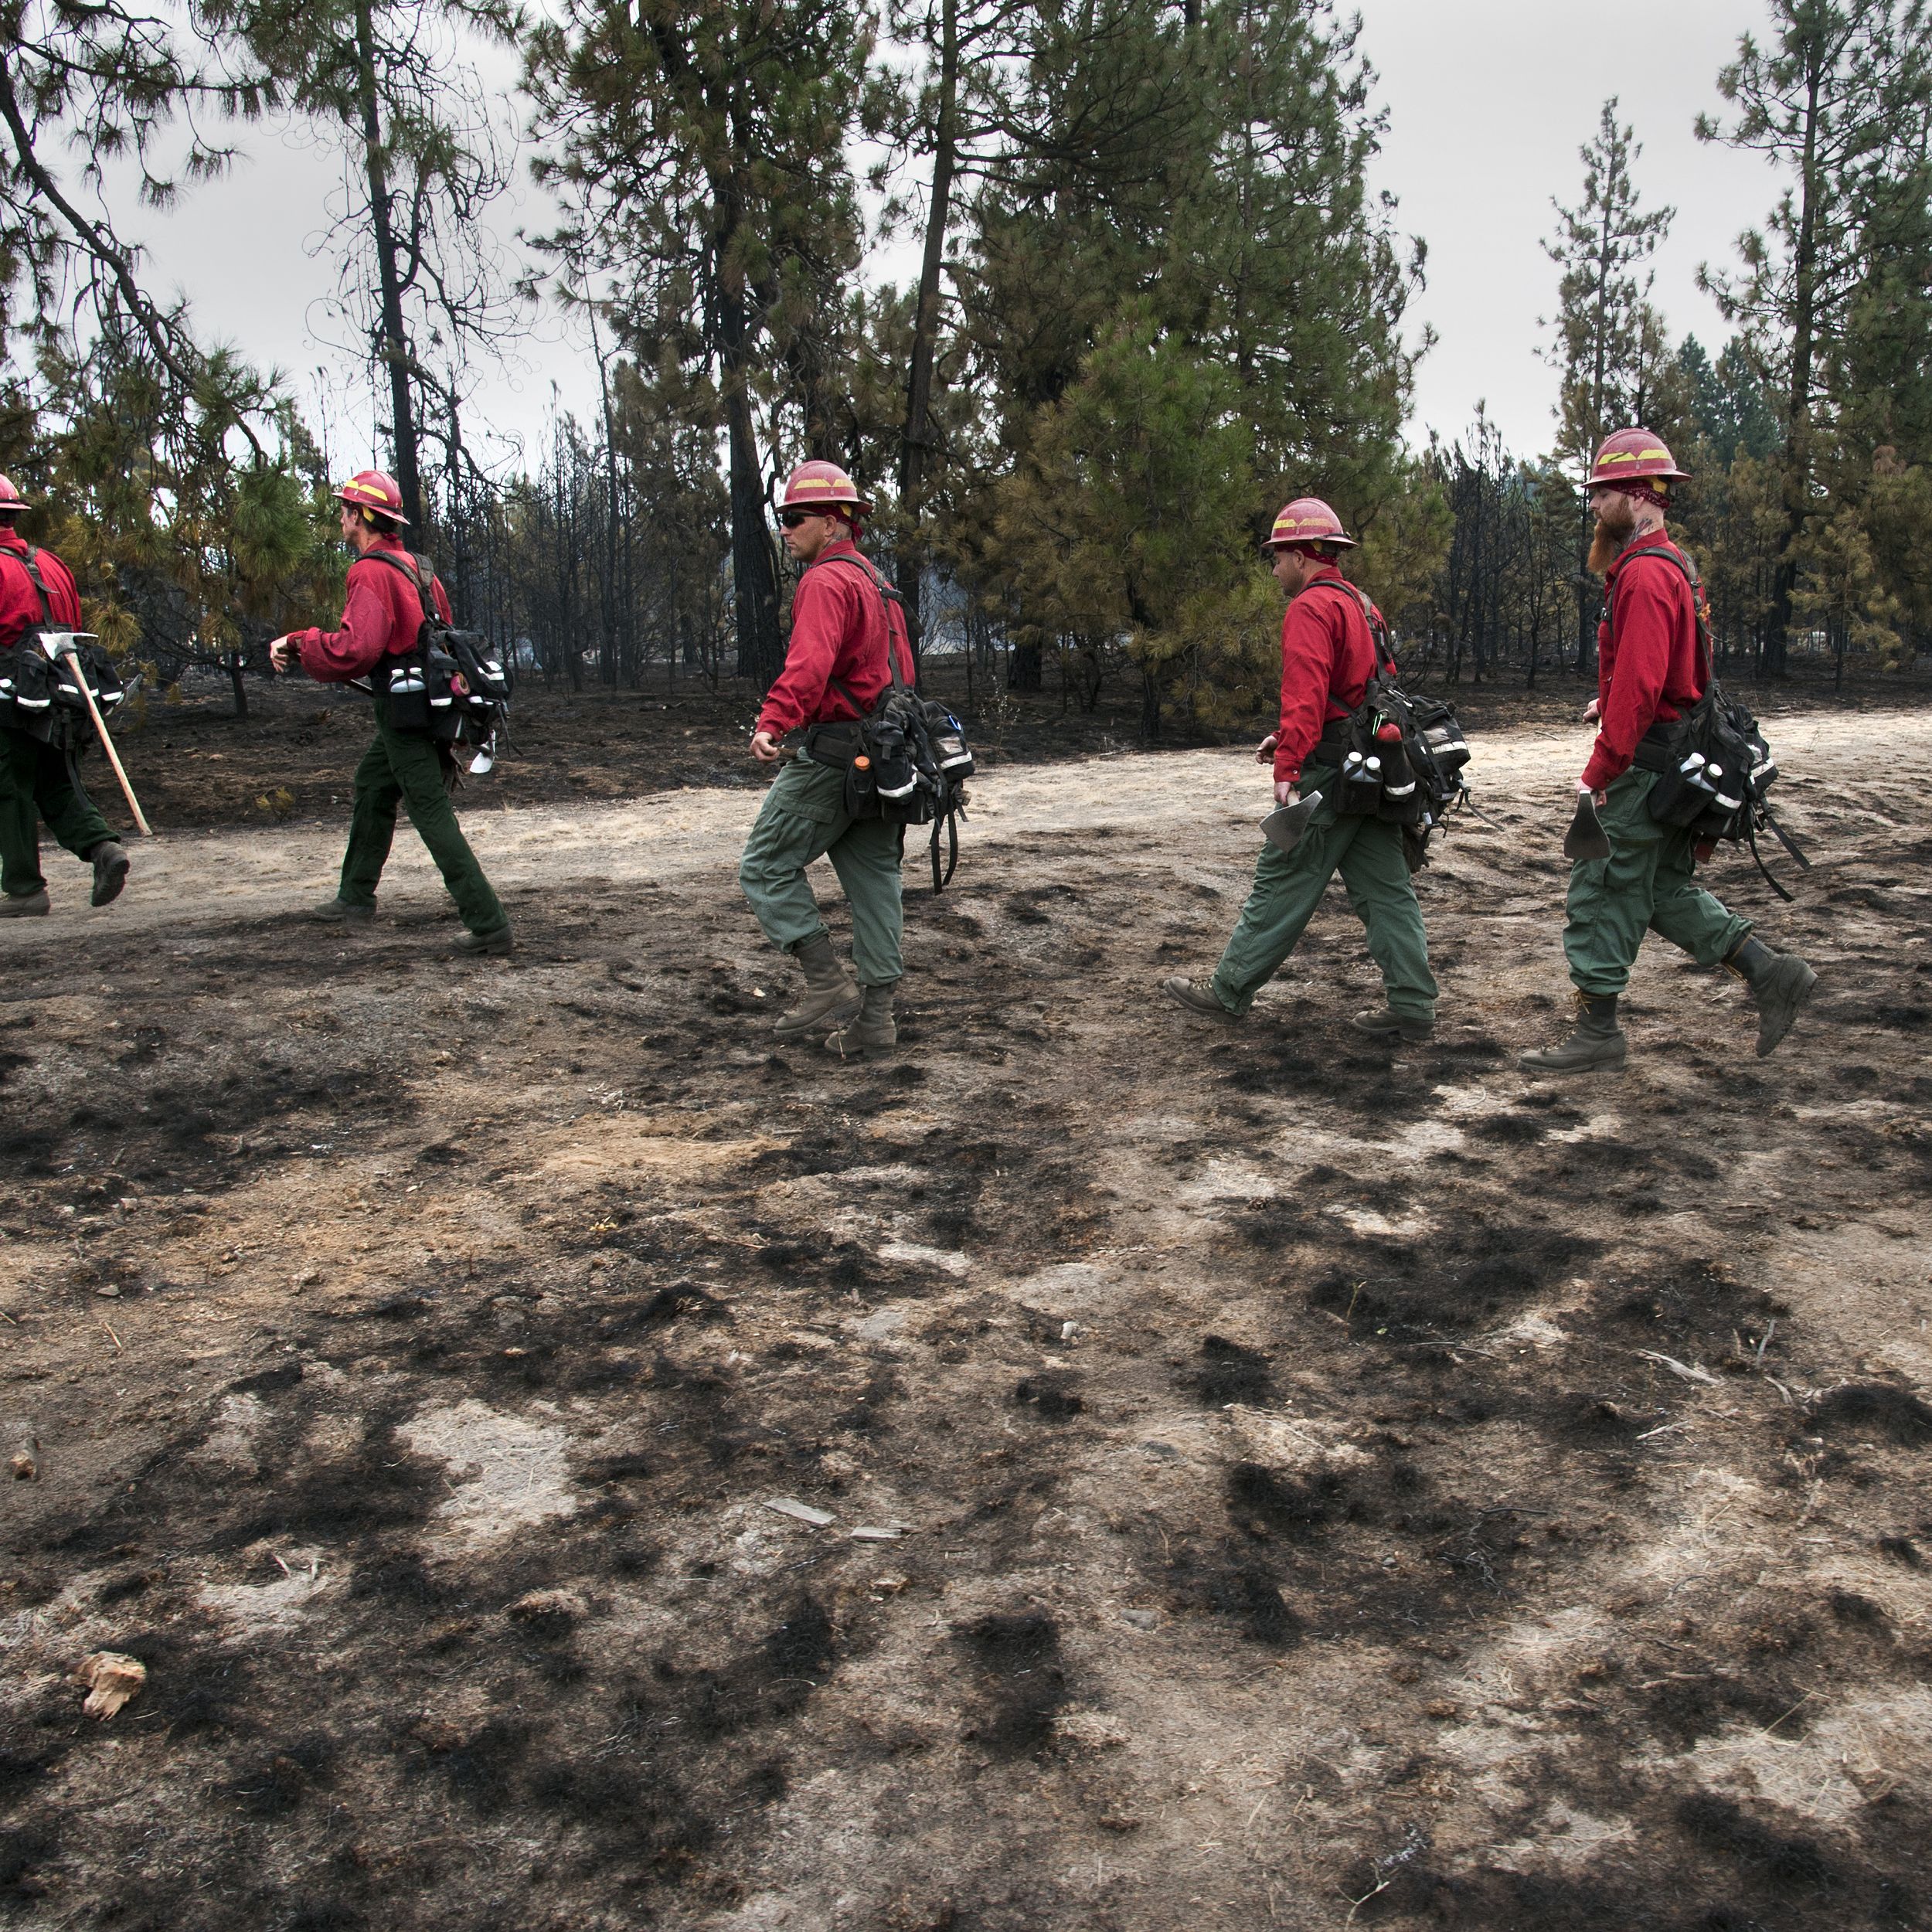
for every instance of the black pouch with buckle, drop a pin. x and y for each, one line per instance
(26, 689)
(452, 687)
(27, 675)
(911, 759)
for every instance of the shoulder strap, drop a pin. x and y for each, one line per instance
(886, 595)
(1378, 629)
(27, 562)
(418, 572)
(1672, 555)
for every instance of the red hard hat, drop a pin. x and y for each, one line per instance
(371, 490)
(818, 486)
(1307, 520)
(10, 498)
(1635, 455)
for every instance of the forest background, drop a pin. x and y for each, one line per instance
(1156, 295)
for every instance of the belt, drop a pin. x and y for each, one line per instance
(1329, 747)
(1654, 748)
(836, 742)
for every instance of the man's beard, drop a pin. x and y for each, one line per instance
(1614, 528)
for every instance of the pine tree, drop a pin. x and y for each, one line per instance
(109, 84)
(703, 150)
(1128, 517)
(1733, 413)
(1195, 186)
(1278, 260)
(380, 77)
(1828, 99)
(183, 555)
(1608, 335)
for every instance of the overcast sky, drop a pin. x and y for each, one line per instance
(1488, 101)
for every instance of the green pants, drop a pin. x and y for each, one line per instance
(1288, 886)
(1645, 882)
(35, 784)
(403, 768)
(804, 818)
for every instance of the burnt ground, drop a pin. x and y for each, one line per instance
(1334, 1485)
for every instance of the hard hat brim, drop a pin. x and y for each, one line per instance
(1602, 481)
(825, 506)
(381, 509)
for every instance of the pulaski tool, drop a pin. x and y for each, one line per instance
(1283, 826)
(67, 643)
(1585, 838)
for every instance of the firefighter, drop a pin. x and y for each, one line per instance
(37, 593)
(380, 624)
(844, 620)
(1650, 670)
(1328, 656)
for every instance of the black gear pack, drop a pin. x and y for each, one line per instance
(40, 691)
(453, 686)
(906, 760)
(1714, 768)
(1400, 756)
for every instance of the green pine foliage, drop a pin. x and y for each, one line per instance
(1155, 297)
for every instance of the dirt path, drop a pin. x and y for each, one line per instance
(1259, 1472)
(186, 878)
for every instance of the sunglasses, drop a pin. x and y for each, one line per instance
(790, 519)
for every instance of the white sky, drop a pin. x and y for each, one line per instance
(1488, 101)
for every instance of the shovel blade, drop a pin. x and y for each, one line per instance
(1585, 838)
(1283, 826)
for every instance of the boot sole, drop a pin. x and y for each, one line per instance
(867, 1053)
(496, 946)
(1531, 1064)
(1215, 1010)
(820, 1023)
(107, 888)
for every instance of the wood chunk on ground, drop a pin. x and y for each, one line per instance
(113, 1679)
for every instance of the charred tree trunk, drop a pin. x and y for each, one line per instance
(392, 345)
(918, 433)
(754, 577)
(1797, 455)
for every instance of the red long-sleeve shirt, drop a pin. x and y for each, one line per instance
(1647, 663)
(380, 620)
(1328, 656)
(839, 627)
(20, 602)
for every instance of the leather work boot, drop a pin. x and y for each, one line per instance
(492, 944)
(1196, 997)
(28, 906)
(1596, 1045)
(871, 1031)
(830, 992)
(110, 864)
(343, 912)
(1387, 1026)
(1781, 983)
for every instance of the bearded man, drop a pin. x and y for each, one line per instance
(1650, 669)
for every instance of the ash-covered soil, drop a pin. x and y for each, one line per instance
(1270, 1480)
